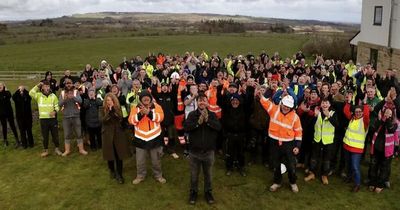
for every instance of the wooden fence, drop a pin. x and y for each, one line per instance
(29, 75)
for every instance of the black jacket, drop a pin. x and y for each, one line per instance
(202, 137)
(5, 104)
(234, 119)
(91, 108)
(23, 109)
(165, 100)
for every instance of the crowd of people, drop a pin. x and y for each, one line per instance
(323, 118)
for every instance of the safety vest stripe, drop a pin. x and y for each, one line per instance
(148, 136)
(280, 138)
(389, 143)
(354, 140)
(281, 124)
(156, 127)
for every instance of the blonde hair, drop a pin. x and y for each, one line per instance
(117, 106)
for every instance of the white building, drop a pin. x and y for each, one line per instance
(378, 42)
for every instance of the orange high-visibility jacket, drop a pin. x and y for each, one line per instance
(211, 94)
(282, 127)
(147, 129)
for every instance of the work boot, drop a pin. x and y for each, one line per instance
(67, 150)
(5, 142)
(274, 187)
(82, 149)
(294, 188)
(119, 178)
(45, 153)
(325, 180)
(309, 177)
(137, 180)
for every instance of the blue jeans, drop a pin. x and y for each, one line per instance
(353, 166)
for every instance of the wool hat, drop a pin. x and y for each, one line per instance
(145, 93)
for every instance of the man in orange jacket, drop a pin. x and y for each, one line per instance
(285, 132)
(146, 117)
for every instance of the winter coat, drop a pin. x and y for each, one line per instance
(5, 104)
(112, 134)
(23, 109)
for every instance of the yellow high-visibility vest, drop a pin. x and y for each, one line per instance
(324, 130)
(355, 134)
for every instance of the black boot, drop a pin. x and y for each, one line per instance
(6, 143)
(192, 197)
(120, 179)
(209, 197)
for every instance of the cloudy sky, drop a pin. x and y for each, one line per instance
(329, 10)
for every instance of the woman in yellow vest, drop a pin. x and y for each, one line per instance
(354, 139)
(323, 144)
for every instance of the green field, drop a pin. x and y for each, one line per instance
(76, 182)
(75, 54)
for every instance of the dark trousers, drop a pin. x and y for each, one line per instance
(94, 137)
(49, 126)
(169, 131)
(304, 156)
(198, 160)
(283, 154)
(25, 130)
(338, 152)
(116, 164)
(379, 169)
(259, 140)
(321, 154)
(234, 153)
(10, 120)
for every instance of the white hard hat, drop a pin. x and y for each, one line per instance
(283, 168)
(288, 101)
(175, 75)
(103, 62)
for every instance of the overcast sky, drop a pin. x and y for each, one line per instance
(329, 10)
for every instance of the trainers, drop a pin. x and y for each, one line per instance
(83, 152)
(274, 187)
(325, 180)
(137, 180)
(371, 188)
(228, 172)
(174, 155)
(209, 197)
(162, 180)
(294, 188)
(58, 152)
(45, 153)
(192, 197)
(309, 177)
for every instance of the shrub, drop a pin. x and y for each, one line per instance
(335, 47)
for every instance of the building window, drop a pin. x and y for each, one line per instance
(378, 16)
(373, 59)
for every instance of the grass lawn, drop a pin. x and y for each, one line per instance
(77, 182)
(75, 54)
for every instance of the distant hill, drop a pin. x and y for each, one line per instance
(189, 19)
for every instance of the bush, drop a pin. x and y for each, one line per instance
(335, 47)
